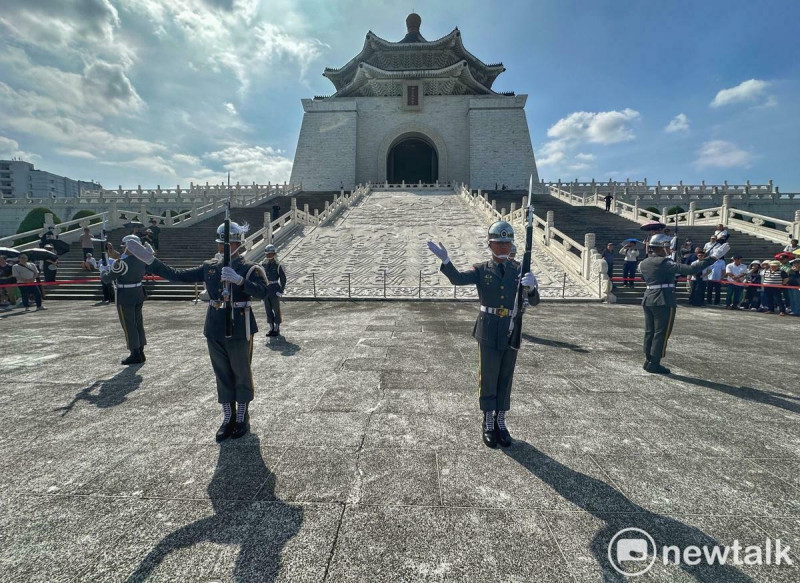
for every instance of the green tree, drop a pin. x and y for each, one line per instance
(86, 213)
(653, 209)
(34, 220)
(676, 210)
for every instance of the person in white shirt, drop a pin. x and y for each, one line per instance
(710, 245)
(26, 272)
(734, 273)
(721, 234)
(90, 263)
(631, 254)
(713, 276)
(791, 246)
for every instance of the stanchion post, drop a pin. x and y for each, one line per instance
(564, 286)
(349, 294)
(419, 289)
(384, 283)
(314, 284)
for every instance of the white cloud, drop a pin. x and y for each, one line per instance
(752, 90)
(679, 123)
(76, 153)
(722, 154)
(580, 128)
(10, 149)
(230, 108)
(604, 127)
(246, 163)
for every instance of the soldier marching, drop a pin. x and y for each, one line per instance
(272, 304)
(230, 356)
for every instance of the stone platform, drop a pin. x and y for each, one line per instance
(365, 461)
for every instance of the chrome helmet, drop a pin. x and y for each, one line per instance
(269, 249)
(501, 232)
(660, 241)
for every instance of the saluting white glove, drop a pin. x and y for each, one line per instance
(720, 251)
(229, 274)
(529, 280)
(439, 251)
(139, 251)
(279, 294)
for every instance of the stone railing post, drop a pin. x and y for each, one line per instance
(294, 209)
(589, 241)
(636, 208)
(796, 225)
(692, 210)
(48, 222)
(169, 221)
(112, 218)
(143, 213)
(664, 215)
(316, 217)
(307, 214)
(548, 226)
(725, 211)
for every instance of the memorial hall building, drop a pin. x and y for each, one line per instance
(411, 111)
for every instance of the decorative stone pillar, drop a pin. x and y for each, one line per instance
(589, 241)
(635, 208)
(113, 215)
(143, 213)
(725, 211)
(796, 225)
(294, 209)
(692, 210)
(548, 226)
(316, 217)
(169, 221)
(664, 215)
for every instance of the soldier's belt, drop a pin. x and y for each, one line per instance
(661, 286)
(220, 304)
(126, 285)
(273, 281)
(502, 312)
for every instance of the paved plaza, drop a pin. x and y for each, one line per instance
(365, 462)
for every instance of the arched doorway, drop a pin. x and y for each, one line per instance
(412, 160)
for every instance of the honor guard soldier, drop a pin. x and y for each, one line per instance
(272, 304)
(659, 272)
(496, 281)
(230, 357)
(126, 274)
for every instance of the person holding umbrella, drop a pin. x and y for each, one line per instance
(50, 266)
(659, 303)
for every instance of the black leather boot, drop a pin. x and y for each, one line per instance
(489, 435)
(241, 429)
(225, 430)
(141, 354)
(502, 436)
(134, 358)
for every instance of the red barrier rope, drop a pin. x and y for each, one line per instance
(721, 281)
(69, 281)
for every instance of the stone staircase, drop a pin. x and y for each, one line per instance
(575, 222)
(179, 247)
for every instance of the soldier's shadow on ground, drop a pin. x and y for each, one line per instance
(554, 343)
(260, 530)
(787, 402)
(107, 393)
(618, 512)
(283, 346)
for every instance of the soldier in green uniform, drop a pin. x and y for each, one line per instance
(658, 272)
(496, 281)
(127, 273)
(272, 304)
(230, 357)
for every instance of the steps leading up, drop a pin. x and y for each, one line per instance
(576, 221)
(178, 247)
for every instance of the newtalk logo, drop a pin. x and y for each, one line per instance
(633, 552)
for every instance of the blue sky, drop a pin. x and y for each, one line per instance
(167, 91)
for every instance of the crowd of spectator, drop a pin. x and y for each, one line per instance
(741, 286)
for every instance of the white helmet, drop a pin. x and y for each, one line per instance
(662, 241)
(238, 232)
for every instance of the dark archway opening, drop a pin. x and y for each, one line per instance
(412, 160)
